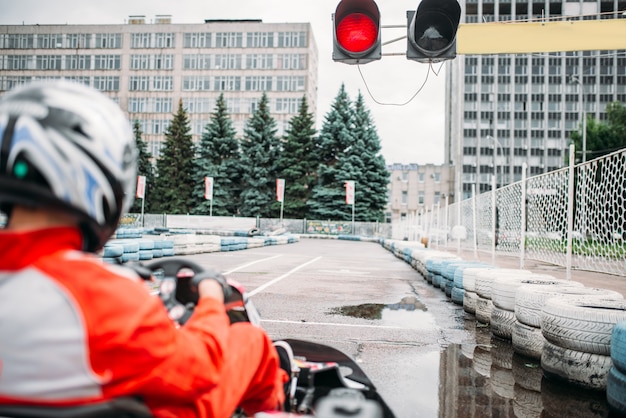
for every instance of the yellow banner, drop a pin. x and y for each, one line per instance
(529, 37)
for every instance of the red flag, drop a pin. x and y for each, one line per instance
(141, 186)
(280, 190)
(208, 188)
(350, 192)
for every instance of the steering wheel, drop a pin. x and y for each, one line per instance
(176, 290)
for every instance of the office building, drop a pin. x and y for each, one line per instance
(509, 109)
(416, 189)
(149, 66)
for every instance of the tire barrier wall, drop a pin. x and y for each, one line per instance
(137, 244)
(577, 333)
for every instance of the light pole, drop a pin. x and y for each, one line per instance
(495, 170)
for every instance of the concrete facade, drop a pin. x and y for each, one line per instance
(509, 109)
(415, 189)
(149, 65)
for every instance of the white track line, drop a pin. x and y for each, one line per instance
(276, 280)
(251, 263)
(331, 324)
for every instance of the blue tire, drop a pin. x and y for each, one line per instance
(616, 391)
(618, 346)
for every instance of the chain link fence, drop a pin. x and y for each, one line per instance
(574, 217)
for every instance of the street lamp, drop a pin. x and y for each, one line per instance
(583, 116)
(495, 171)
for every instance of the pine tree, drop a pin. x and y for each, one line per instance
(175, 167)
(144, 168)
(218, 157)
(328, 196)
(259, 152)
(298, 162)
(371, 190)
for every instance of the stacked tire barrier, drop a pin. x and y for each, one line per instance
(575, 333)
(578, 338)
(135, 244)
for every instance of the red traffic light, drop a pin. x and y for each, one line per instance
(357, 32)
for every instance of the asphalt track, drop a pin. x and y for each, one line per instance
(359, 298)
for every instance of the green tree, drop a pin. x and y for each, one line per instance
(297, 162)
(371, 189)
(144, 168)
(259, 152)
(363, 163)
(218, 157)
(328, 197)
(603, 137)
(175, 167)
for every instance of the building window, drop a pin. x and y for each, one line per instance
(420, 177)
(48, 62)
(197, 40)
(196, 62)
(420, 197)
(258, 83)
(227, 83)
(107, 62)
(227, 62)
(228, 40)
(437, 177)
(106, 83)
(108, 40)
(260, 39)
(78, 62)
(405, 197)
(197, 83)
(290, 83)
(259, 61)
(291, 39)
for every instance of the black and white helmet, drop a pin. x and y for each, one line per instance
(67, 146)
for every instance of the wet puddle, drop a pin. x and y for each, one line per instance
(407, 313)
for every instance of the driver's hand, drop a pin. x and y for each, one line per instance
(211, 289)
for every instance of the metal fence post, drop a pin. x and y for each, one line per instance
(570, 214)
(494, 220)
(522, 244)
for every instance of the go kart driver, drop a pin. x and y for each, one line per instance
(75, 330)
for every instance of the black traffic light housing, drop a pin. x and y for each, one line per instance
(431, 30)
(356, 32)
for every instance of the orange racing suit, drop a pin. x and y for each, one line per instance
(74, 330)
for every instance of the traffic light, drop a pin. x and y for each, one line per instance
(431, 30)
(356, 32)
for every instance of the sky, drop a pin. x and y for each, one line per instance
(405, 98)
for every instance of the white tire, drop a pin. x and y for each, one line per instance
(469, 302)
(527, 372)
(485, 279)
(527, 341)
(504, 288)
(531, 298)
(582, 324)
(586, 370)
(502, 322)
(483, 310)
(469, 277)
